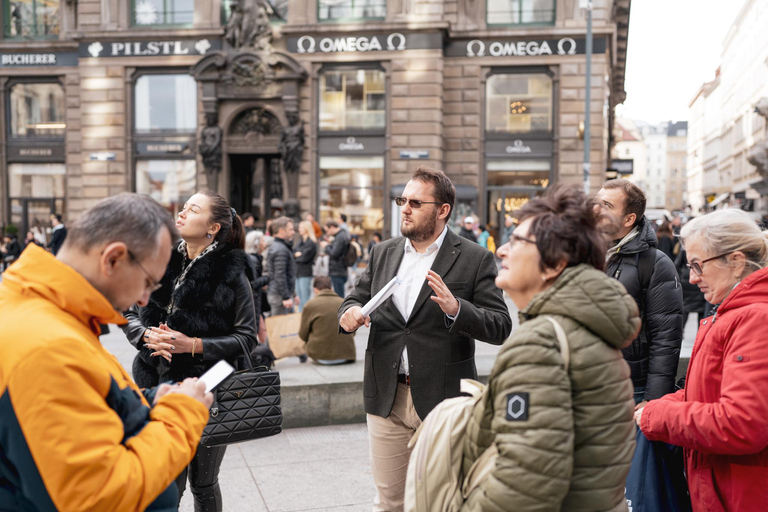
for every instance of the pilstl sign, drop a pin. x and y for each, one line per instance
(100, 49)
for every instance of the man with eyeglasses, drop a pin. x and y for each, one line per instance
(74, 427)
(422, 340)
(651, 279)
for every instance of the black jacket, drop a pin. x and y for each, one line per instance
(305, 262)
(468, 234)
(282, 270)
(653, 362)
(440, 352)
(257, 284)
(57, 239)
(214, 303)
(336, 252)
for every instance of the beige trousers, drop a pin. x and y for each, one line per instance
(389, 438)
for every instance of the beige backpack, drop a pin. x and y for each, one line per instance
(435, 481)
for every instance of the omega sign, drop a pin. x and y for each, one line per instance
(518, 147)
(476, 48)
(394, 41)
(351, 145)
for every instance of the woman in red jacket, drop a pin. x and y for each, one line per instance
(721, 417)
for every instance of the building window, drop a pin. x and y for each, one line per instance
(169, 182)
(354, 186)
(519, 103)
(520, 12)
(166, 104)
(163, 12)
(341, 10)
(278, 11)
(519, 173)
(353, 100)
(37, 111)
(35, 192)
(31, 19)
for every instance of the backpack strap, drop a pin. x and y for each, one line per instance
(645, 262)
(565, 350)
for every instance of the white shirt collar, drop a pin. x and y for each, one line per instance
(434, 247)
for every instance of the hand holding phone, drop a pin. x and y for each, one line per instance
(216, 375)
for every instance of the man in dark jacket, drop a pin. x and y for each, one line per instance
(58, 233)
(282, 268)
(651, 279)
(466, 229)
(336, 251)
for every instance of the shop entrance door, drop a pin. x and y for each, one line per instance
(29, 213)
(254, 181)
(505, 201)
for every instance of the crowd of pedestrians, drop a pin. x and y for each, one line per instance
(603, 295)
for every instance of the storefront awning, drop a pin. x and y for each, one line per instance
(719, 199)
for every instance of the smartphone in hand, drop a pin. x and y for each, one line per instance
(216, 375)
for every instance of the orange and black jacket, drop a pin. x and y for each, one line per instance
(76, 433)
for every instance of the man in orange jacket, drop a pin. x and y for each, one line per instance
(76, 433)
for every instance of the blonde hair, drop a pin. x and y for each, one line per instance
(309, 229)
(727, 231)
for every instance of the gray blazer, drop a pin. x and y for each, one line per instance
(440, 352)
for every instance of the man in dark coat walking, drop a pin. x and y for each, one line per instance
(422, 339)
(282, 268)
(58, 233)
(336, 250)
(651, 279)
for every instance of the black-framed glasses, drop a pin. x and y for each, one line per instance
(696, 266)
(413, 203)
(154, 285)
(518, 238)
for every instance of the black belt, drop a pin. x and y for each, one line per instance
(404, 379)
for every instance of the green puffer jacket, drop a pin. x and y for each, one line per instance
(567, 439)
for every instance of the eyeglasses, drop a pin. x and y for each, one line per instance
(413, 203)
(153, 285)
(696, 265)
(517, 238)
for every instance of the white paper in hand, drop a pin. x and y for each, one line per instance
(380, 297)
(216, 374)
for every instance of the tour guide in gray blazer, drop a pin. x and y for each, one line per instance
(437, 323)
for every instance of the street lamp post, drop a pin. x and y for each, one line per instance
(587, 4)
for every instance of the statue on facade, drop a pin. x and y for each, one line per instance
(248, 25)
(291, 144)
(210, 149)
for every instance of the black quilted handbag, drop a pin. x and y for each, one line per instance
(245, 406)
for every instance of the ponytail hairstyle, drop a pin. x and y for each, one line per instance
(232, 230)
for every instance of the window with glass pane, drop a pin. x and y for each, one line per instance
(36, 180)
(518, 172)
(166, 103)
(520, 12)
(518, 103)
(36, 19)
(353, 186)
(37, 111)
(352, 99)
(163, 12)
(334, 10)
(278, 10)
(169, 182)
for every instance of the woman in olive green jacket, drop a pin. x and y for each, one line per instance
(565, 438)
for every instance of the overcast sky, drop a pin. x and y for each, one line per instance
(674, 47)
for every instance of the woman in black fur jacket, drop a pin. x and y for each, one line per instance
(202, 313)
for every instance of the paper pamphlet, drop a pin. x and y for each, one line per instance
(380, 297)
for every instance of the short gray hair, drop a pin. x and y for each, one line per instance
(252, 240)
(133, 219)
(726, 231)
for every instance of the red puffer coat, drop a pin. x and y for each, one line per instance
(721, 418)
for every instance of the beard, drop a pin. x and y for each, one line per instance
(420, 232)
(610, 226)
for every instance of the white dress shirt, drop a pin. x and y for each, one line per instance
(413, 273)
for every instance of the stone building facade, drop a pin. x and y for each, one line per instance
(296, 106)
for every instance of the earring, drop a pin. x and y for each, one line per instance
(544, 279)
(208, 236)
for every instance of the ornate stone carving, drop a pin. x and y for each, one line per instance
(291, 145)
(758, 155)
(210, 149)
(257, 120)
(248, 25)
(248, 75)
